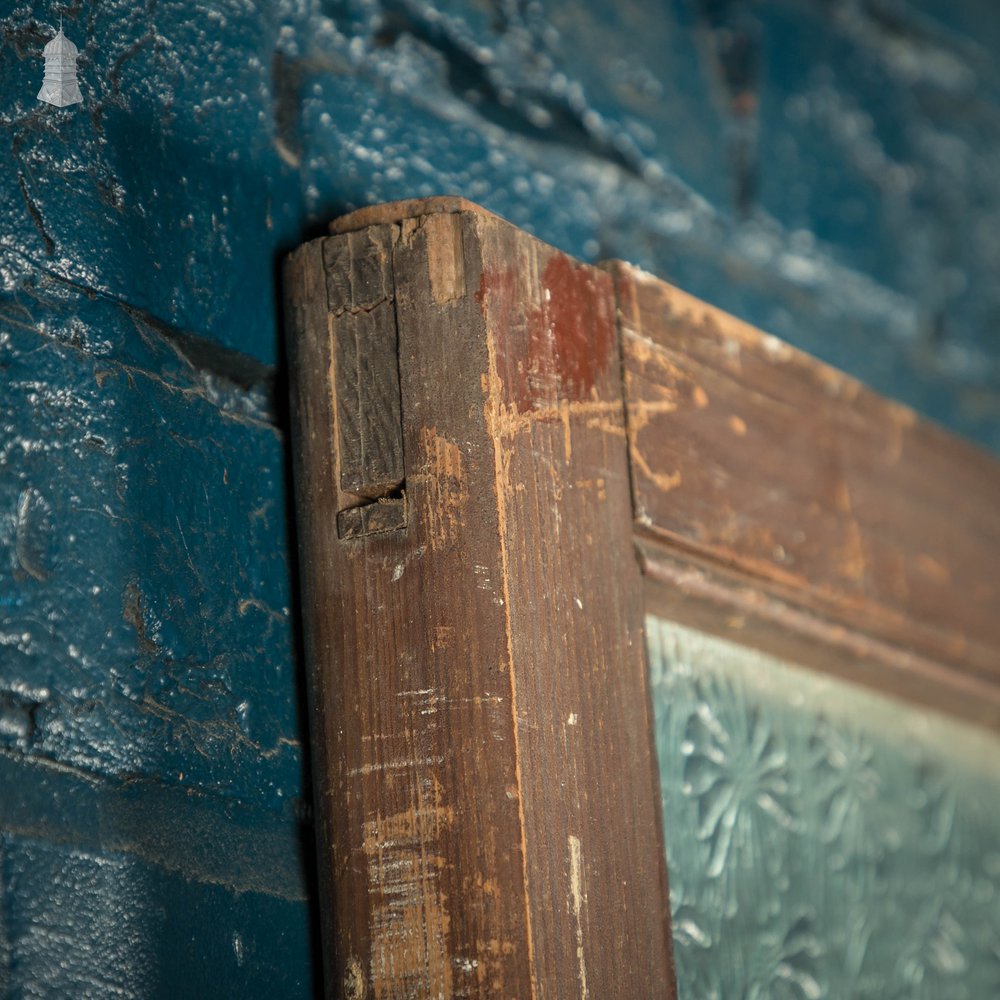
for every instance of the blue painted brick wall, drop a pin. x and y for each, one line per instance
(827, 169)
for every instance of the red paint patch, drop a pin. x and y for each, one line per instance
(496, 289)
(564, 342)
(572, 330)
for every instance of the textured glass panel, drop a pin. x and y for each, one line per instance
(822, 840)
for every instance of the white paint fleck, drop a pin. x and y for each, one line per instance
(577, 899)
(775, 349)
(238, 949)
(572, 719)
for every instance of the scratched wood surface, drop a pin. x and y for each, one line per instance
(489, 818)
(783, 502)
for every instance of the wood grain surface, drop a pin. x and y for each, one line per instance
(503, 458)
(489, 812)
(801, 488)
(359, 290)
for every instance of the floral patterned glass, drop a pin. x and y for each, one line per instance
(822, 840)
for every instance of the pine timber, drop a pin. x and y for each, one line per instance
(489, 815)
(784, 504)
(504, 458)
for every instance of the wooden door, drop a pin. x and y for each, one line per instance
(505, 460)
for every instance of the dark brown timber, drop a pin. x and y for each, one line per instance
(359, 290)
(783, 503)
(474, 483)
(486, 792)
